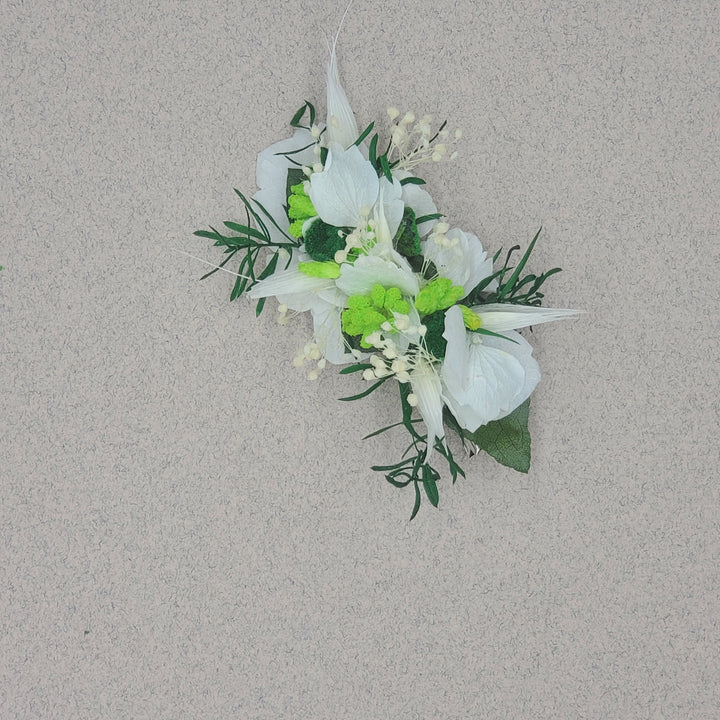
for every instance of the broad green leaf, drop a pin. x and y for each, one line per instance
(507, 439)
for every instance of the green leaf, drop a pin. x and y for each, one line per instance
(483, 331)
(386, 168)
(244, 229)
(412, 181)
(416, 506)
(298, 116)
(430, 486)
(516, 273)
(366, 392)
(355, 368)
(365, 133)
(508, 439)
(425, 218)
(372, 152)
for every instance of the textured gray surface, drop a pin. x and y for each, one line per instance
(191, 529)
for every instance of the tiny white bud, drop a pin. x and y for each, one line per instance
(422, 329)
(315, 131)
(340, 257)
(368, 374)
(321, 363)
(403, 377)
(393, 112)
(313, 375)
(412, 399)
(317, 167)
(364, 211)
(458, 134)
(307, 170)
(386, 326)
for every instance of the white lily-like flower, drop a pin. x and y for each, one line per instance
(484, 378)
(460, 257)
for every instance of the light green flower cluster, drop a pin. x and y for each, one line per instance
(367, 314)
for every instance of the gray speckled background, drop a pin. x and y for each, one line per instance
(190, 529)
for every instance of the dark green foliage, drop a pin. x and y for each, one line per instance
(322, 241)
(515, 289)
(434, 340)
(249, 242)
(414, 468)
(407, 240)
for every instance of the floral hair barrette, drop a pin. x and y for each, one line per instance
(342, 227)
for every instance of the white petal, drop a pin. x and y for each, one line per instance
(369, 270)
(392, 205)
(341, 125)
(328, 334)
(426, 385)
(297, 290)
(348, 184)
(413, 196)
(484, 378)
(499, 317)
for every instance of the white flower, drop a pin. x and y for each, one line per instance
(460, 257)
(348, 189)
(484, 378)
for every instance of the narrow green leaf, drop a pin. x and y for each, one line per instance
(355, 368)
(425, 218)
(365, 393)
(259, 307)
(208, 234)
(365, 133)
(386, 168)
(372, 152)
(483, 331)
(412, 181)
(244, 229)
(516, 274)
(430, 486)
(388, 427)
(416, 506)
